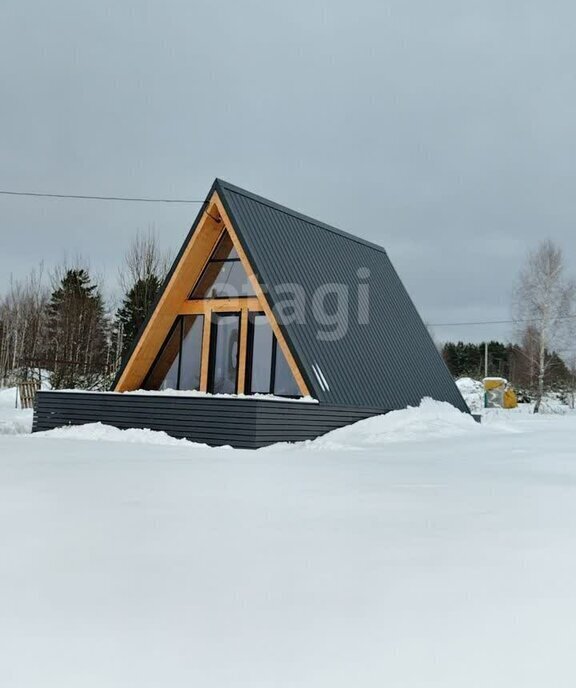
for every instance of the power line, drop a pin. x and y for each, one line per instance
(482, 322)
(99, 198)
(496, 322)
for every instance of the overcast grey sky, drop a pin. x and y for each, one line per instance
(444, 131)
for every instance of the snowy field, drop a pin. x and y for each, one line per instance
(415, 550)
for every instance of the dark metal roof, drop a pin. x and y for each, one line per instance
(389, 362)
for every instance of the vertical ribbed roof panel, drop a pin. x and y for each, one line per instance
(389, 362)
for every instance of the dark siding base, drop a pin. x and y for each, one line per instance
(242, 423)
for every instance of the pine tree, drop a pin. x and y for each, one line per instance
(135, 307)
(450, 356)
(77, 333)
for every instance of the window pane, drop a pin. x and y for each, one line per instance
(164, 373)
(223, 279)
(191, 351)
(284, 382)
(225, 250)
(260, 349)
(224, 353)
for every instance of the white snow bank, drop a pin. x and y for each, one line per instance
(107, 433)
(8, 397)
(431, 420)
(19, 422)
(13, 421)
(473, 393)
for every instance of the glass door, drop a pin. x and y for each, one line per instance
(224, 350)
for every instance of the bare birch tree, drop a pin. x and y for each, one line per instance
(22, 327)
(543, 304)
(143, 258)
(141, 275)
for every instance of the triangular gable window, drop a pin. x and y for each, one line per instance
(224, 276)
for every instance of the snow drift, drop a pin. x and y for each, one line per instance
(431, 420)
(99, 432)
(13, 421)
(473, 393)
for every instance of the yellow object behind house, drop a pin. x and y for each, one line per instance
(494, 392)
(498, 393)
(494, 383)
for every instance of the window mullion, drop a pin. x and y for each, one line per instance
(243, 342)
(181, 324)
(273, 365)
(205, 351)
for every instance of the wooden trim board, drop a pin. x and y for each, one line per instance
(200, 306)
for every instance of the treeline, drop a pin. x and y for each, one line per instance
(60, 326)
(515, 362)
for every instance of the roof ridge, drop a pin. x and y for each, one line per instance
(294, 213)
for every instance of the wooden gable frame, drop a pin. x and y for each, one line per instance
(174, 301)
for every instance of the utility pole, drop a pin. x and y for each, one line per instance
(485, 359)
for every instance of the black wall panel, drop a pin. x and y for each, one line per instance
(243, 423)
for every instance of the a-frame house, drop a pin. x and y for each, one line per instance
(270, 326)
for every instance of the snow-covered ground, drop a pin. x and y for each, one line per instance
(414, 550)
